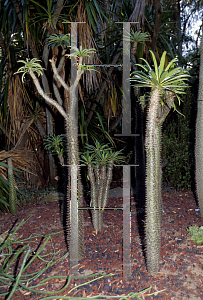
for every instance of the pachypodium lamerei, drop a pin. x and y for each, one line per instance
(100, 160)
(199, 136)
(165, 83)
(74, 218)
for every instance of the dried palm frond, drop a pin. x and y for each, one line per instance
(19, 105)
(15, 104)
(21, 159)
(91, 79)
(138, 11)
(27, 125)
(111, 104)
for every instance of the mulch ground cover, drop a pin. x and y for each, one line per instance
(181, 260)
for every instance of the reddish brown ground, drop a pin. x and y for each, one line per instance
(181, 261)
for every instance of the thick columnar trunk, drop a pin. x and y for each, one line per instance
(158, 169)
(94, 204)
(106, 192)
(100, 180)
(152, 185)
(50, 131)
(12, 192)
(76, 216)
(107, 185)
(199, 137)
(100, 194)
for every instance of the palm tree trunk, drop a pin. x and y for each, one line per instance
(152, 184)
(199, 137)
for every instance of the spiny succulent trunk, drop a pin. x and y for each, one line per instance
(100, 185)
(12, 192)
(76, 215)
(108, 182)
(94, 194)
(106, 189)
(158, 170)
(100, 195)
(199, 137)
(152, 185)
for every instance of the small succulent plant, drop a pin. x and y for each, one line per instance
(196, 234)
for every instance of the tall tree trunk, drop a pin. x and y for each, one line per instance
(94, 194)
(155, 118)
(199, 137)
(157, 24)
(179, 31)
(52, 167)
(152, 185)
(74, 217)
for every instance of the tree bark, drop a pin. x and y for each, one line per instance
(152, 183)
(157, 24)
(199, 137)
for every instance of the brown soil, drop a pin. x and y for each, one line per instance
(181, 260)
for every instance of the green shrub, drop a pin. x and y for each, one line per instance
(196, 234)
(177, 149)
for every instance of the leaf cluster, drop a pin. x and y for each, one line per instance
(170, 78)
(95, 13)
(55, 143)
(138, 36)
(101, 154)
(196, 234)
(59, 40)
(30, 65)
(177, 147)
(177, 172)
(45, 12)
